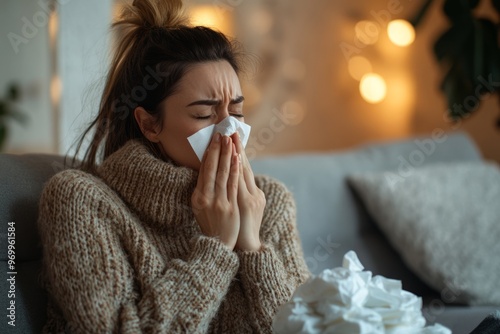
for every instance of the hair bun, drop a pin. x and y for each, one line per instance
(153, 14)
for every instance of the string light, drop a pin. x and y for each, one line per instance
(55, 89)
(373, 88)
(204, 16)
(53, 26)
(212, 17)
(401, 32)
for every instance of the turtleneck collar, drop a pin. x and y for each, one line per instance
(158, 191)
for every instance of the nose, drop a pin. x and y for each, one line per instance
(222, 113)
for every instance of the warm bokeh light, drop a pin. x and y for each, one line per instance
(359, 66)
(53, 26)
(209, 16)
(399, 104)
(204, 16)
(367, 32)
(401, 32)
(55, 89)
(373, 88)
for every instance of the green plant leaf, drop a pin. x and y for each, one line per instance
(457, 88)
(470, 48)
(13, 92)
(16, 115)
(3, 108)
(496, 4)
(473, 3)
(478, 47)
(3, 135)
(458, 11)
(21, 118)
(417, 19)
(452, 43)
(491, 56)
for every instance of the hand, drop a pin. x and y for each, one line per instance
(251, 202)
(215, 198)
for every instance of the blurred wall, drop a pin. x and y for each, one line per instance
(60, 61)
(25, 60)
(82, 62)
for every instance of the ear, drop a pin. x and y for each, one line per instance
(147, 124)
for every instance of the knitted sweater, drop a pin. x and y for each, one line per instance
(123, 253)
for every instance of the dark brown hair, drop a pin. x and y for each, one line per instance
(155, 51)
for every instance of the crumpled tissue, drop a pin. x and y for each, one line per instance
(349, 300)
(228, 126)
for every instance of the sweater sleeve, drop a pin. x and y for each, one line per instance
(271, 275)
(91, 278)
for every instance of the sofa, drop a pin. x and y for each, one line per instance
(331, 220)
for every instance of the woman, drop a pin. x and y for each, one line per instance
(151, 239)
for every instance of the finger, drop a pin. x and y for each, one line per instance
(234, 176)
(224, 167)
(200, 170)
(211, 163)
(242, 184)
(246, 170)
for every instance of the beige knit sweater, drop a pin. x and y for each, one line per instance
(124, 254)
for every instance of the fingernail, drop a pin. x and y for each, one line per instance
(217, 137)
(226, 140)
(239, 158)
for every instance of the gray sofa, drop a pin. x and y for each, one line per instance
(331, 221)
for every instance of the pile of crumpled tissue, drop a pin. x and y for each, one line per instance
(349, 300)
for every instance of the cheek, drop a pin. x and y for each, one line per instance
(181, 128)
(194, 127)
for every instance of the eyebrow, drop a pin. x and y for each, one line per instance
(236, 100)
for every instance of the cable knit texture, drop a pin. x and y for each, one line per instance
(123, 253)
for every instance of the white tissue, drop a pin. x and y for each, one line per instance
(349, 300)
(228, 126)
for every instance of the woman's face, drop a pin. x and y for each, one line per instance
(207, 93)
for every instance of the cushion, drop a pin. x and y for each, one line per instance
(331, 220)
(444, 221)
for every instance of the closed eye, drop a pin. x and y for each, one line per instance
(237, 115)
(204, 117)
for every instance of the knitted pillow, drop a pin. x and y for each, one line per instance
(444, 220)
